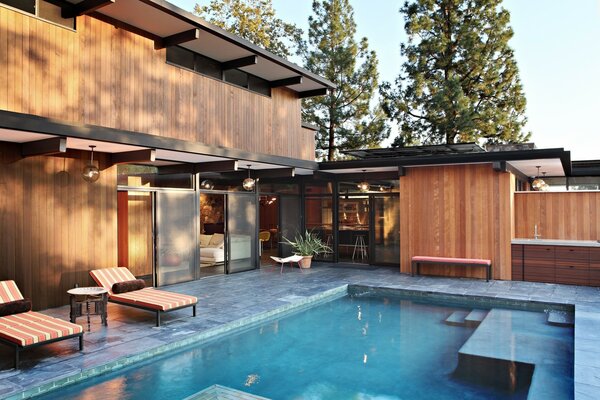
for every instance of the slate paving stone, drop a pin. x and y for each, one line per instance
(223, 299)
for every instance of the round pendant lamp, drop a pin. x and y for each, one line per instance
(207, 184)
(91, 173)
(538, 183)
(249, 183)
(363, 186)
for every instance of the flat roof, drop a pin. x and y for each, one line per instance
(414, 151)
(159, 20)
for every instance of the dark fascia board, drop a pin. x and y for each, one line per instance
(178, 38)
(375, 175)
(260, 173)
(211, 166)
(33, 123)
(489, 157)
(585, 168)
(310, 126)
(186, 16)
(84, 7)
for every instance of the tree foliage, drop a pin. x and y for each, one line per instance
(255, 21)
(344, 117)
(460, 81)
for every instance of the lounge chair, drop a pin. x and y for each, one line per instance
(290, 260)
(24, 329)
(150, 299)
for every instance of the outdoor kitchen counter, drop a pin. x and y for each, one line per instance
(557, 242)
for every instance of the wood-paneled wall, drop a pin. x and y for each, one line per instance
(565, 215)
(457, 211)
(105, 76)
(55, 226)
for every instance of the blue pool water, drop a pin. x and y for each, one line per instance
(349, 348)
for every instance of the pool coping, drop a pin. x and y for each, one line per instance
(193, 339)
(587, 324)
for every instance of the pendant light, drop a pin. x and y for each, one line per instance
(538, 183)
(363, 186)
(545, 186)
(207, 184)
(91, 173)
(248, 183)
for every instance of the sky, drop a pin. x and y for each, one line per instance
(557, 47)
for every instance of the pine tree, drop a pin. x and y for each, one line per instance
(255, 21)
(344, 116)
(460, 81)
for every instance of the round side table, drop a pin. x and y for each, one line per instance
(85, 296)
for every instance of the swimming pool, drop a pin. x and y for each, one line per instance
(359, 347)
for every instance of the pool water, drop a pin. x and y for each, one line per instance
(350, 348)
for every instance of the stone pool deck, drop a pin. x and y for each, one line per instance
(227, 301)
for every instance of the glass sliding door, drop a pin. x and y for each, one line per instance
(353, 229)
(319, 220)
(241, 232)
(290, 222)
(176, 237)
(386, 229)
(135, 233)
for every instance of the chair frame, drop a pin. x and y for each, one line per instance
(18, 348)
(157, 312)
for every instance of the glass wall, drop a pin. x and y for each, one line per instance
(176, 243)
(386, 229)
(241, 232)
(319, 220)
(353, 229)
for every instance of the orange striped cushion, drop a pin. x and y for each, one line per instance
(32, 327)
(9, 292)
(155, 299)
(107, 277)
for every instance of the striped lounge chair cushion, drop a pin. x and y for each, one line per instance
(155, 299)
(151, 298)
(9, 292)
(32, 327)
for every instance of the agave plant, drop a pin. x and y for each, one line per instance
(308, 244)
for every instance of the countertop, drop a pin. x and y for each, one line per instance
(557, 242)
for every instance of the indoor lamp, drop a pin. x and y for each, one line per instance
(363, 186)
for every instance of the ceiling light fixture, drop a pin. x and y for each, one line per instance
(91, 173)
(364, 185)
(207, 184)
(249, 183)
(538, 182)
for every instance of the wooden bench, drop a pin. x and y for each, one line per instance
(468, 262)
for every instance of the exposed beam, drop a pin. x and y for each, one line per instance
(125, 26)
(178, 38)
(312, 93)
(294, 80)
(240, 62)
(84, 7)
(499, 166)
(147, 155)
(44, 147)
(401, 171)
(217, 166)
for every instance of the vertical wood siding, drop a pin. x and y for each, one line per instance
(55, 226)
(569, 216)
(456, 211)
(101, 75)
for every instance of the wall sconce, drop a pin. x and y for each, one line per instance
(364, 185)
(207, 184)
(91, 173)
(249, 183)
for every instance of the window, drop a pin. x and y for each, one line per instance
(207, 66)
(43, 9)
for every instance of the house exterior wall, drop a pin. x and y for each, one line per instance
(101, 75)
(457, 211)
(568, 216)
(55, 226)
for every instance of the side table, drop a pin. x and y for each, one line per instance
(86, 296)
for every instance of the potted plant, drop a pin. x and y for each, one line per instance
(307, 246)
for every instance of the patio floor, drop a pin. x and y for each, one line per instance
(225, 299)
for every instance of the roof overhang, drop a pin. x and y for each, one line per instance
(555, 162)
(168, 24)
(25, 128)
